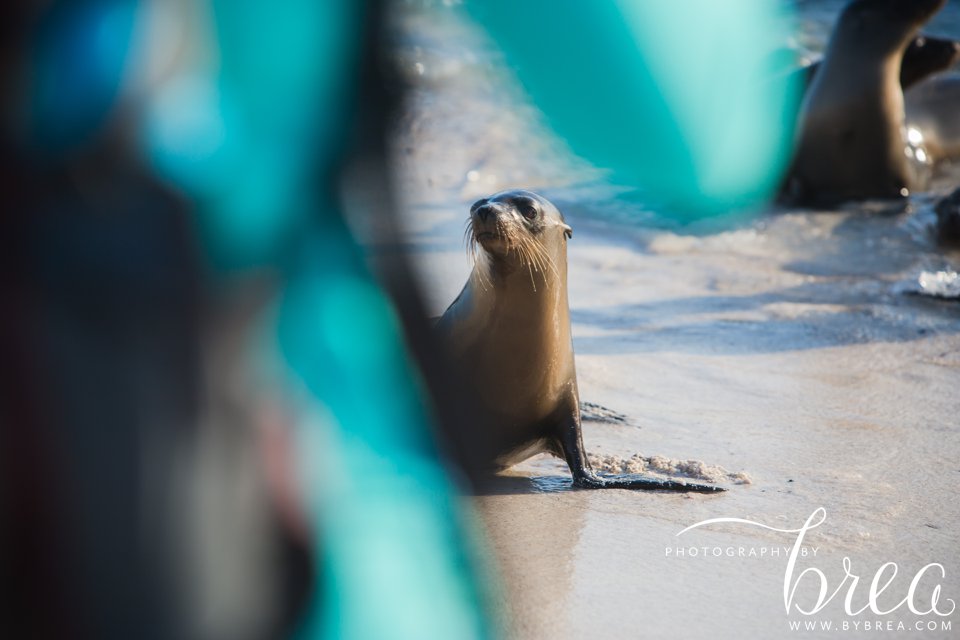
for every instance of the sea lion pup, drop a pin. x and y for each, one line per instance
(933, 116)
(851, 140)
(508, 333)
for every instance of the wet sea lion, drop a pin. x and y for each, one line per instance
(851, 139)
(508, 333)
(933, 116)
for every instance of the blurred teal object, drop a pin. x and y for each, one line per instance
(256, 141)
(681, 99)
(394, 548)
(245, 137)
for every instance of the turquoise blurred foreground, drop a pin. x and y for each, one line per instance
(255, 140)
(392, 544)
(683, 100)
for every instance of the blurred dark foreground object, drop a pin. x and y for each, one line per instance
(157, 478)
(105, 414)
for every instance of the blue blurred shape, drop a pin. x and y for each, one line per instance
(78, 65)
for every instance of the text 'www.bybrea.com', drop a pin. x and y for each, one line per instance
(871, 625)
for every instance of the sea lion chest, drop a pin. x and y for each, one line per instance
(513, 343)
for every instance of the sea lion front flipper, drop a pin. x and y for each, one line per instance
(639, 482)
(571, 446)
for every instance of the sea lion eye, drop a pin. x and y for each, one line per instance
(529, 211)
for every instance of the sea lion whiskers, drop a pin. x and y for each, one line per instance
(518, 242)
(526, 257)
(528, 248)
(481, 262)
(545, 259)
(535, 255)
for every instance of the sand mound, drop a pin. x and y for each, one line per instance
(693, 469)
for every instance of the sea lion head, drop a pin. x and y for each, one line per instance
(516, 227)
(926, 56)
(885, 25)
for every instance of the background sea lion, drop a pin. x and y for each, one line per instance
(851, 139)
(508, 333)
(925, 55)
(933, 112)
(948, 220)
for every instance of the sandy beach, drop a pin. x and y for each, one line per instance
(786, 348)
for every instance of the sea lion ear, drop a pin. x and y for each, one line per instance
(567, 231)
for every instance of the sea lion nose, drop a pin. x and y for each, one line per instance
(483, 212)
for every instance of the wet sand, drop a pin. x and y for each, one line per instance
(828, 388)
(784, 348)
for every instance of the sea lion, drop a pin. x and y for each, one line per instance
(925, 56)
(948, 221)
(851, 138)
(933, 116)
(508, 333)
